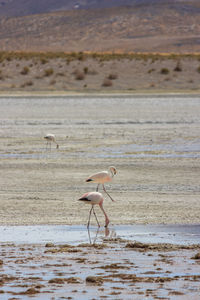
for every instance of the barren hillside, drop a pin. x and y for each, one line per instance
(142, 28)
(18, 8)
(150, 26)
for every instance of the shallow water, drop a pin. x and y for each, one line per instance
(173, 234)
(58, 267)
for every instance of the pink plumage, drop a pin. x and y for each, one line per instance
(50, 138)
(102, 177)
(94, 198)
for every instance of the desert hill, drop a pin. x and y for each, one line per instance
(18, 8)
(143, 26)
(29, 7)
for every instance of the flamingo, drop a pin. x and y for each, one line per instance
(102, 177)
(50, 138)
(94, 198)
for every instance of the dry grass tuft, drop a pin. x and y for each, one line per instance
(48, 72)
(178, 67)
(79, 75)
(112, 76)
(25, 71)
(107, 82)
(164, 71)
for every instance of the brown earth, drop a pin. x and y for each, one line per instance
(64, 73)
(158, 27)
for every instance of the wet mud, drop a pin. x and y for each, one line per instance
(113, 268)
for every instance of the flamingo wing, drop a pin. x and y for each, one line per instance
(99, 177)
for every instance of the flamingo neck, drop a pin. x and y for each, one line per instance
(112, 173)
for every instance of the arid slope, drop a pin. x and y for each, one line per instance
(141, 28)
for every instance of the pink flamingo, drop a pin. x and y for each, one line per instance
(102, 177)
(50, 138)
(94, 198)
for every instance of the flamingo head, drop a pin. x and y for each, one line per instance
(113, 170)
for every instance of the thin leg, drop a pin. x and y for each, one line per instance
(107, 231)
(90, 240)
(95, 216)
(97, 188)
(89, 235)
(107, 221)
(107, 193)
(88, 224)
(96, 236)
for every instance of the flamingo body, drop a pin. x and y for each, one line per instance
(94, 198)
(102, 177)
(51, 138)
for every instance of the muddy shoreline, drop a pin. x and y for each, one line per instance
(114, 268)
(76, 234)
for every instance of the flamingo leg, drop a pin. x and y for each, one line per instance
(97, 188)
(89, 235)
(88, 224)
(90, 240)
(95, 216)
(107, 193)
(96, 236)
(107, 221)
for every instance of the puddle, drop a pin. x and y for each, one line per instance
(172, 150)
(175, 149)
(173, 234)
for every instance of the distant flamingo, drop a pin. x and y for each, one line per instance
(50, 138)
(94, 198)
(102, 177)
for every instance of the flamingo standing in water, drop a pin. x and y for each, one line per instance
(94, 198)
(102, 177)
(50, 138)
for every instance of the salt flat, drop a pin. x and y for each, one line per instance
(153, 141)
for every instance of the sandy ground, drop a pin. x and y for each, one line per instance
(150, 74)
(153, 142)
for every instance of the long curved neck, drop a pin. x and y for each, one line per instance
(57, 146)
(112, 173)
